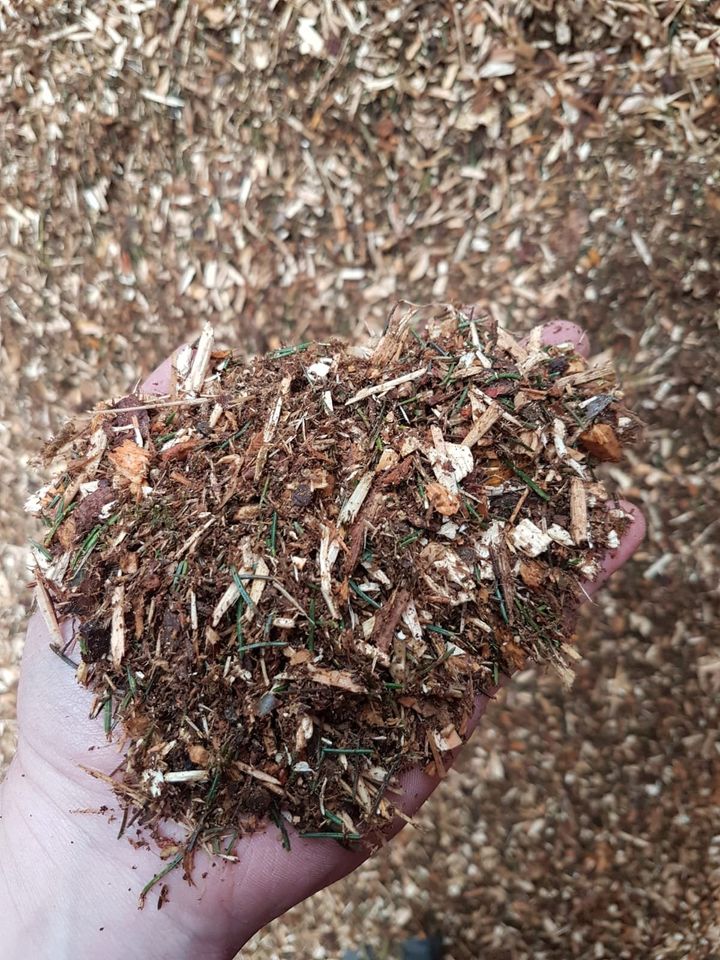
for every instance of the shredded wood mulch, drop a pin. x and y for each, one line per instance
(548, 159)
(292, 577)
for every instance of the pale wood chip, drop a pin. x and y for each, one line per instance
(229, 597)
(352, 505)
(272, 783)
(386, 386)
(117, 629)
(448, 738)
(196, 378)
(412, 621)
(180, 367)
(390, 345)
(569, 651)
(327, 555)
(372, 652)
(48, 611)
(481, 426)
(567, 676)
(274, 418)
(559, 432)
(256, 589)
(605, 371)
(185, 776)
(192, 541)
(529, 538)
(451, 462)
(442, 500)
(215, 414)
(335, 678)
(131, 464)
(271, 426)
(578, 511)
(506, 341)
(535, 338)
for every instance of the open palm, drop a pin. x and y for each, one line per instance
(72, 888)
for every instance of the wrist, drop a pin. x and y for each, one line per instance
(69, 888)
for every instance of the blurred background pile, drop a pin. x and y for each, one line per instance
(286, 170)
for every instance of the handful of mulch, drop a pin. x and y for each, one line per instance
(292, 577)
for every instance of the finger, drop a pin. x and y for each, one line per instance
(629, 542)
(563, 331)
(159, 380)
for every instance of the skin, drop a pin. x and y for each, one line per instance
(68, 888)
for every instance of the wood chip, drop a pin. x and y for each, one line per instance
(352, 505)
(388, 618)
(381, 389)
(48, 611)
(117, 630)
(227, 600)
(506, 341)
(529, 538)
(131, 464)
(335, 678)
(257, 584)
(578, 511)
(198, 370)
(327, 555)
(442, 500)
(600, 440)
(483, 423)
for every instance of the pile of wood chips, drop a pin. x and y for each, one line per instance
(293, 577)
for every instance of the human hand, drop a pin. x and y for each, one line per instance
(69, 888)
